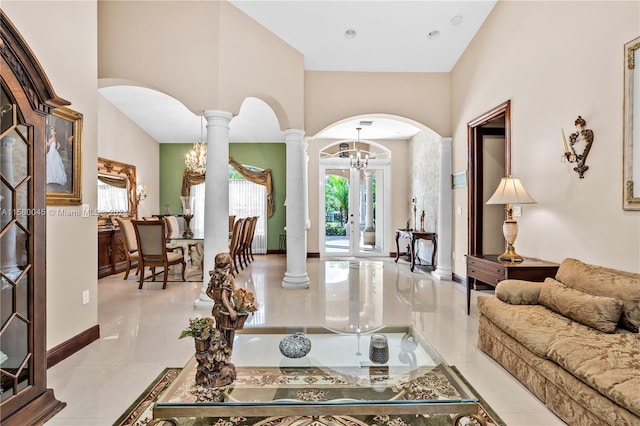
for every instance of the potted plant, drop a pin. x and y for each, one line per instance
(244, 304)
(200, 329)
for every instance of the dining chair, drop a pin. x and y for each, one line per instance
(232, 221)
(252, 233)
(129, 242)
(234, 244)
(152, 245)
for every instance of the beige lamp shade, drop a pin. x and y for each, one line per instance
(510, 191)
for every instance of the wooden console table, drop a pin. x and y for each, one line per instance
(489, 270)
(415, 236)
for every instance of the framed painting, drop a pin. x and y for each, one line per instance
(64, 157)
(459, 180)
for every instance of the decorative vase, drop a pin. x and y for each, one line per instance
(379, 349)
(295, 346)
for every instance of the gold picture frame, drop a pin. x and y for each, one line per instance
(631, 135)
(64, 157)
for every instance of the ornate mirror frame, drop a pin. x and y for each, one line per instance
(631, 134)
(126, 171)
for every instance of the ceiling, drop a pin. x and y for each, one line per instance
(390, 36)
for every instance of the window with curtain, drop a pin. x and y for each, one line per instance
(112, 199)
(245, 199)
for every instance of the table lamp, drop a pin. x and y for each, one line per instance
(510, 191)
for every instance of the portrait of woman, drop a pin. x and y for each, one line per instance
(56, 172)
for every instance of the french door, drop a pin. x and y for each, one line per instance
(354, 217)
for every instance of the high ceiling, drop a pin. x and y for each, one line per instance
(388, 36)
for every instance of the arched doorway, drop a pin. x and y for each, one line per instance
(354, 219)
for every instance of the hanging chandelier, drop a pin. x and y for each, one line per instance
(357, 161)
(196, 160)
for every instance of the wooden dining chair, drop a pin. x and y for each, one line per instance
(234, 243)
(152, 245)
(252, 233)
(129, 242)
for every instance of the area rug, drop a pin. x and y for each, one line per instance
(140, 412)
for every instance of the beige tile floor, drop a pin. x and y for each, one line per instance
(139, 329)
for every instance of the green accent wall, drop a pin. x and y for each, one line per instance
(264, 155)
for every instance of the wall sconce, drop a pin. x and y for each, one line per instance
(141, 192)
(579, 137)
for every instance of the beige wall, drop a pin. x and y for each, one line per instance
(120, 139)
(208, 45)
(254, 62)
(63, 36)
(334, 96)
(572, 65)
(168, 45)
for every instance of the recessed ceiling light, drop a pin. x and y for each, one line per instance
(433, 35)
(350, 33)
(456, 20)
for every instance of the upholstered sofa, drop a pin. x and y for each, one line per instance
(573, 341)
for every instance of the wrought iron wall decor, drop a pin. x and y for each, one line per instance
(582, 137)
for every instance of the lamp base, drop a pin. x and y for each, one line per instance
(510, 255)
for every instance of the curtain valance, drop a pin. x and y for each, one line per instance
(259, 177)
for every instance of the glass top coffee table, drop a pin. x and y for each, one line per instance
(335, 378)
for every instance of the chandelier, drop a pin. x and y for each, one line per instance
(357, 162)
(196, 160)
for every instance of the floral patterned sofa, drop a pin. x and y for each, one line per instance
(573, 341)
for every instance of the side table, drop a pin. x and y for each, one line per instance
(489, 270)
(414, 236)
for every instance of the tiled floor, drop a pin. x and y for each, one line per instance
(139, 331)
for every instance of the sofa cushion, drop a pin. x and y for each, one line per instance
(607, 282)
(533, 326)
(609, 363)
(599, 312)
(518, 292)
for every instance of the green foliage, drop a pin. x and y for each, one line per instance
(336, 195)
(198, 327)
(335, 230)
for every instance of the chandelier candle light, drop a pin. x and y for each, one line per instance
(196, 160)
(357, 162)
(510, 191)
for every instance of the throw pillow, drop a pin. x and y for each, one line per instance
(599, 312)
(518, 292)
(608, 282)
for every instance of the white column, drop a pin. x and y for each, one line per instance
(216, 199)
(369, 201)
(445, 213)
(296, 275)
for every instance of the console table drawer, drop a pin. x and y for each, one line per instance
(487, 277)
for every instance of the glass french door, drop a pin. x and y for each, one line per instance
(352, 210)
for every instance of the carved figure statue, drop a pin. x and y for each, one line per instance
(214, 369)
(221, 288)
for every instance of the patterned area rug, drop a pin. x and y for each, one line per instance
(140, 412)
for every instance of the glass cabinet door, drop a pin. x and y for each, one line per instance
(16, 278)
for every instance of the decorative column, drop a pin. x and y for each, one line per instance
(445, 213)
(369, 234)
(216, 199)
(296, 275)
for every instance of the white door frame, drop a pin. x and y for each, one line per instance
(383, 228)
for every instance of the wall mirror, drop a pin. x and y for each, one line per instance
(631, 176)
(116, 189)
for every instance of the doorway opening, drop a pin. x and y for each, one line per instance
(354, 218)
(489, 145)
